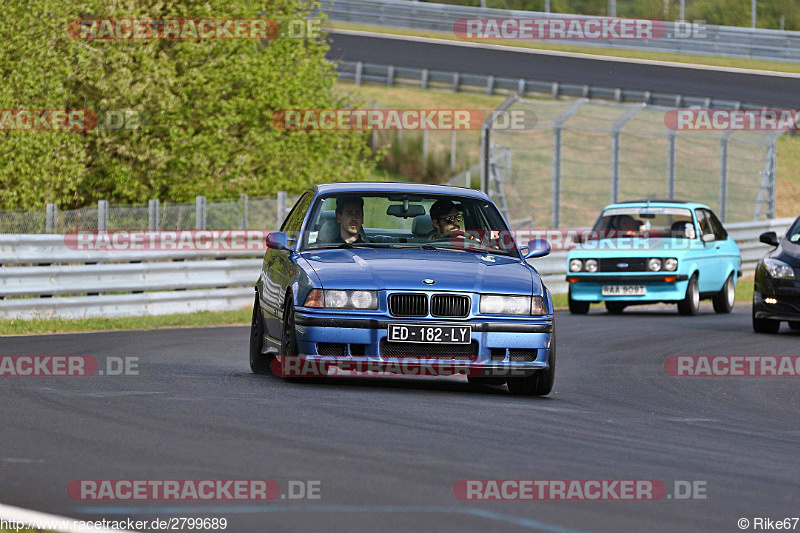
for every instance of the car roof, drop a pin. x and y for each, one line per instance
(398, 187)
(658, 203)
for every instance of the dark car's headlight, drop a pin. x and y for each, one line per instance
(778, 269)
(342, 299)
(502, 304)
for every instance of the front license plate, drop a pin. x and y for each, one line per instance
(624, 290)
(435, 334)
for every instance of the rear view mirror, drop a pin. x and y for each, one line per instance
(277, 240)
(537, 248)
(405, 210)
(769, 237)
(709, 237)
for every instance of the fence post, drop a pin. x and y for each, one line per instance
(671, 165)
(723, 174)
(200, 212)
(281, 207)
(374, 130)
(245, 218)
(557, 125)
(485, 156)
(453, 150)
(153, 222)
(424, 151)
(616, 130)
(50, 218)
(773, 177)
(468, 175)
(102, 215)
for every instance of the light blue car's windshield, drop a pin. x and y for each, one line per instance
(661, 221)
(398, 220)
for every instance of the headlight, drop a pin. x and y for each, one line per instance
(591, 265)
(575, 265)
(501, 304)
(654, 264)
(341, 299)
(778, 269)
(671, 264)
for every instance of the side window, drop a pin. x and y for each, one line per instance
(291, 225)
(716, 225)
(702, 221)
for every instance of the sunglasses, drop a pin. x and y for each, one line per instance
(452, 219)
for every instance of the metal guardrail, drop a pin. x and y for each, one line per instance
(725, 41)
(391, 75)
(149, 283)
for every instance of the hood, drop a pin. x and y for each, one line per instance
(378, 269)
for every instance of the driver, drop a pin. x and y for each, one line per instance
(445, 218)
(350, 216)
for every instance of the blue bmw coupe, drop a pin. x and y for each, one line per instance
(404, 278)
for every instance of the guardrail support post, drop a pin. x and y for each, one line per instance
(200, 212)
(153, 222)
(359, 69)
(102, 215)
(456, 82)
(521, 86)
(490, 86)
(390, 76)
(281, 207)
(554, 90)
(468, 176)
(424, 81)
(50, 218)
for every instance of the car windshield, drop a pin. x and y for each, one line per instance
(654, 221)
(401, 220)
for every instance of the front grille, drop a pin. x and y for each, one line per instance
(516, 355)
(635, 264)
(408, 304)
(461, 352)
(449, 305)
(330, 348)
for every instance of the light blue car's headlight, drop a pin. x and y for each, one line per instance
(778, 269)
(502, 304)
(671, 264)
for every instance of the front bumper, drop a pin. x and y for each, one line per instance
(499, 347)
(786, 306)
(589, 287)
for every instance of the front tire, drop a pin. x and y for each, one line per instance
(724, 299)
(538, 384)
(576, 307)
(259, 363)
(795, 325)
(765, 325)
(690, 305)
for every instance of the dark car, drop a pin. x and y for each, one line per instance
(776, 296)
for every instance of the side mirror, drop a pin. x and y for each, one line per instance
(769, 237)
(537, 248)
(709, 237)
(277, 240)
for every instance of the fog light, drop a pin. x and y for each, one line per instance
(771, 300)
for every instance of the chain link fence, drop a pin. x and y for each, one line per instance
(259, 212)
(581, 155)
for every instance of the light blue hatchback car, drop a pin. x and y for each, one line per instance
(653, 251)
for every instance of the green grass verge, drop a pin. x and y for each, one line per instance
(730, 62)
(744, 293)
(60, 325)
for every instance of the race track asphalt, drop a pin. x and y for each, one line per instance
(783, 92)
(387, 452)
